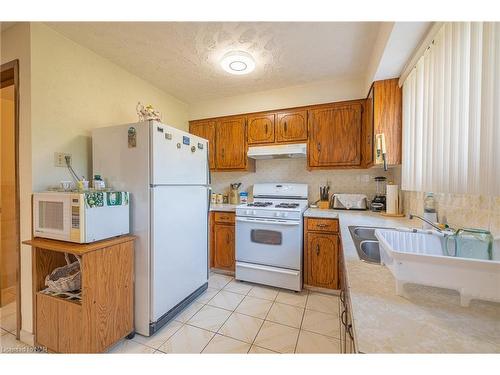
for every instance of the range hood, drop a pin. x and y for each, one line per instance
(296, 150)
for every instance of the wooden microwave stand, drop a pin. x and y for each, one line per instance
(105, 313)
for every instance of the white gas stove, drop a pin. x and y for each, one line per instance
(269, 235)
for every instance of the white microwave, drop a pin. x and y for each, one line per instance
(81, 217)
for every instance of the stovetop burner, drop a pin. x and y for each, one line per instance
(260, 204)
(287, 205)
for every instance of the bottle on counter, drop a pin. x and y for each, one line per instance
(99, 183)
(243, 197)
(430, 212)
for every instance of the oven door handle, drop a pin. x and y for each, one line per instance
(267, 268)
(268, 221)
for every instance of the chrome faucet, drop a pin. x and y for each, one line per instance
(434, 225)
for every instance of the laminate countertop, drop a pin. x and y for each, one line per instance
(425, 320)
(224, 207)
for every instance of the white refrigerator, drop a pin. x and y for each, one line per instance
(167, 174)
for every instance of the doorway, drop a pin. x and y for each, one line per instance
(9, 200)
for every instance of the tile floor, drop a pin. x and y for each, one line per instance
(240, 317)
(233, 317)
(8, 342)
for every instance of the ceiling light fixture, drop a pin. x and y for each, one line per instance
(238, 62)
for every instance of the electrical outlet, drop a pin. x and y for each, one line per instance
(60, 159)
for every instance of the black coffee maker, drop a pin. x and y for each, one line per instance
(378, 202)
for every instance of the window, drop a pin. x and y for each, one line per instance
(451, 113)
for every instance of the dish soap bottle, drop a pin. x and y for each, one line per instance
(429, 210)
(99, 183)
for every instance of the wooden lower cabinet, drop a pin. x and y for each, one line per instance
(105, 313)
(321, 253)
(222, 241)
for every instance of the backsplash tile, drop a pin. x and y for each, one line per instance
(295, 170)
(459, 210)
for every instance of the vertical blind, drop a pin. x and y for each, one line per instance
(451, 113)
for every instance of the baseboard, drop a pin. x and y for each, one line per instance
(311, 288)
(27, 337)
(222, 272)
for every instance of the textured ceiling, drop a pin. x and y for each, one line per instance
(182, 58)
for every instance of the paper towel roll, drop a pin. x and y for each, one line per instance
(392, 199)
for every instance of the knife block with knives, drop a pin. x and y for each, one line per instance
(324, 201)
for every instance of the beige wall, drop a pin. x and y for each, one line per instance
(75, 90)
(16, 44)
(65, 91)
(294, 96)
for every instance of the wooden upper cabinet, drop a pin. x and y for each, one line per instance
(231, 143)
(291, 126)
(205, 129)
(367, 133)
(387, 117)
(260, 129)
(322, 260)
(335, 136)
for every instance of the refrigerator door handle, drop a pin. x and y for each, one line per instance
(209, 195)
(209, 176)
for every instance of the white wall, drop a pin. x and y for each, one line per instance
(15, 44)
(293, 96)
(74, 90)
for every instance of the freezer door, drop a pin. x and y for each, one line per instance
(179, 260)
(177, 158)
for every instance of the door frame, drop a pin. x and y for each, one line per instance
(9, 75)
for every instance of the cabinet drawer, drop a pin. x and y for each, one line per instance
(224, 217)
(323, 225)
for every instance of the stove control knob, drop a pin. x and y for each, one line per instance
(285, 214)
(254, 212)
(247, 212)
(277, 214)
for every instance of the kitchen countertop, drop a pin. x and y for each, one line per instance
(426, 320)
(226, 207)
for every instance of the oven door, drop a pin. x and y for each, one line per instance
(270, 242)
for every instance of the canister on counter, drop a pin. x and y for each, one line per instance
(213, 198)
(219, 199)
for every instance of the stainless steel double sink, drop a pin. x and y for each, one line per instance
(366, 243)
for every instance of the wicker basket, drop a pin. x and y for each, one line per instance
(66, 278)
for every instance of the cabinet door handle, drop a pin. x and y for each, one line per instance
(228, 240)
(317, 249)
(266, 128)
(319, 146)
(285, 127)
(321, 225)
(342, 320)
(222, 153)
(349, 332)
